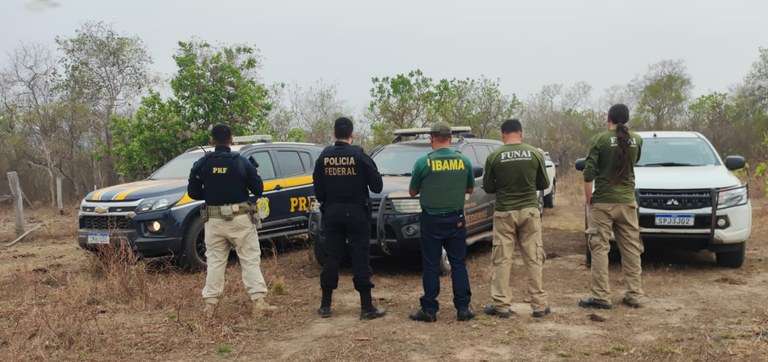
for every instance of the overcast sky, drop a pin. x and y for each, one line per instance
(524, 43)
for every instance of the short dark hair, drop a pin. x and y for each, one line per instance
(618, 114)
(342, 128)
(511, 126)
(221, 134)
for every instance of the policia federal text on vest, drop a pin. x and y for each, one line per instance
(343, 176)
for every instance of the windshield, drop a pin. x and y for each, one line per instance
(677, 152)
(178, 167)
(398, 160)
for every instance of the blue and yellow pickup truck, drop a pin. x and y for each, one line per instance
(157, 218)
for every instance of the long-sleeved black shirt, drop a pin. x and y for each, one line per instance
(344, 174)
(223, 177)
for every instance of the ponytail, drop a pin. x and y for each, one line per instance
(623, 139)
(619, 115)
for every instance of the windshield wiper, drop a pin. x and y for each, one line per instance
(668, 164)
(396, 174)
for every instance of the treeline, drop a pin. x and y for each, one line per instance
(94, 113)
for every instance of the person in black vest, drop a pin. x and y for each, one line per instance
(223, 179)
(342, 178)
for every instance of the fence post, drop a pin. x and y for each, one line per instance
(59, 197)
(18, 201)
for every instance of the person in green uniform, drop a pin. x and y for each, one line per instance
(442, 178)
(613, 209)
(514, 172)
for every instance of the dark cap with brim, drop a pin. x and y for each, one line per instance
(440, 129)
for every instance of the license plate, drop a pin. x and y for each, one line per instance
(98, 238)
(674, 220)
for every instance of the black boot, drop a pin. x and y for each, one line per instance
(367, 310)
(325, 303)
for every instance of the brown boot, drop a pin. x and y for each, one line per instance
(209, 310)
(261, 306)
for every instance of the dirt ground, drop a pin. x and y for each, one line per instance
(58, 302)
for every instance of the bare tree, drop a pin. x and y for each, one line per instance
(315, 109)
(107, 70)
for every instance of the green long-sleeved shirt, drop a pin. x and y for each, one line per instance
(514, 172)
(601, 165)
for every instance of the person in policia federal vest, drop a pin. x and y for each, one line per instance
(514, 172)
(442, 178)
(610, 165)
(342, 178)
(223, 179)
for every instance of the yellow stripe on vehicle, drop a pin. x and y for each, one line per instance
(287, 182)
(185, 200)
(98, 193)
(125, 193)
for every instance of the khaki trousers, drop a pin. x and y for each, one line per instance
(222, 235)
(521, 229)
(621, 221)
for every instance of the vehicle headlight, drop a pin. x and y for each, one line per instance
(733, 197)
(157, 203)
(406, 206)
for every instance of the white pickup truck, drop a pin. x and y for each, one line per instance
(688, 196)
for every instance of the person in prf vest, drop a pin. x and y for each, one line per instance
(223, 179)
(514, 172)
(610, 166)
(442, 178)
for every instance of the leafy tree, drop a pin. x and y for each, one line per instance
(663, 93)
(219, 85)
(106, 70)
(213, 85)
(402, 101)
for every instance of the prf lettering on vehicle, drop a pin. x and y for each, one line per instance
(340, 166)
(299, 204)
(520, 155)
(219, 170)
(446, 165)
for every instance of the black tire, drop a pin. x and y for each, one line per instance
(732, 259)
(549, 200)
(192, 256)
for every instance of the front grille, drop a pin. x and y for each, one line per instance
(103, 222)
(376, 205)
(675, 200)
(648, 221)
(110, 209)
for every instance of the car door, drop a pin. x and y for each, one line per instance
(478, 209)
(289, 193)
(268, 173)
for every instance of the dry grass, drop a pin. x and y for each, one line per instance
(61, 303)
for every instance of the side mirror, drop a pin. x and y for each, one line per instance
(734, 163)
(477, 171)
(580, 164)
(253, 161)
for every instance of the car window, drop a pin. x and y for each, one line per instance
(306, 160)
(266, 168)
(671, 151)
(178, 167)
(482, 154)
(290, 163)
(471, 154)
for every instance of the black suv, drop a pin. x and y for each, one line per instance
(157, 217)
(395, 228)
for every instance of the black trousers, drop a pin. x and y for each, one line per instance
(347, 229)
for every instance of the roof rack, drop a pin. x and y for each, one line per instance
(416, 132)
(257, 138)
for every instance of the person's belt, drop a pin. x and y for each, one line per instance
(228, 211)
(447, 213)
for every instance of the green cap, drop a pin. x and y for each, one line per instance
(440, 129)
